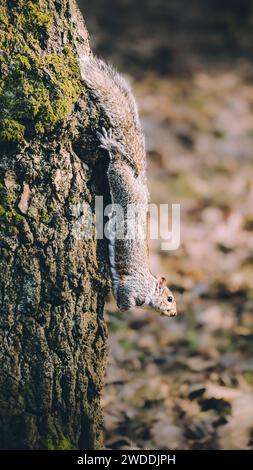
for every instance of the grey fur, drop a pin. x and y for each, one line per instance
(133, 283)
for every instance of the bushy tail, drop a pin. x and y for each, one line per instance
(111, 89)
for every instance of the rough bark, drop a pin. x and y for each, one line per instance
(52, 285)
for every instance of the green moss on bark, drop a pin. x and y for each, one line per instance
(38, 89)
(12, 131)
(52, 285)
(59, 444)
(10, 219)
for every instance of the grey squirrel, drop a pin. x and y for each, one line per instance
(133, 283)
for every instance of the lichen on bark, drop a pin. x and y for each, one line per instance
(52, 284)
(39, 85)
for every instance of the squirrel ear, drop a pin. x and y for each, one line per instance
(162, 282)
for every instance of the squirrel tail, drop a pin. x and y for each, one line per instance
(110, 88)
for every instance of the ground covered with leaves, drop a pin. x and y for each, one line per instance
(187, 383)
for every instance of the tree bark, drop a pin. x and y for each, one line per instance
(52, 283)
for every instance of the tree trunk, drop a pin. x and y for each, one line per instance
(52, 282)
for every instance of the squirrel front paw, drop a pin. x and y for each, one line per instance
(125, 297)
(125, 305)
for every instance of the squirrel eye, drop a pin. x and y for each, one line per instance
(170, 299)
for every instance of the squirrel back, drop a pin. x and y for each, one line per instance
(118, 105)
(133, 283)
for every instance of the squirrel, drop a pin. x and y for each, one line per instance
(133, 283)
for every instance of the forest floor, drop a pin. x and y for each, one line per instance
(187, 383)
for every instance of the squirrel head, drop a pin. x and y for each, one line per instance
(163, 300)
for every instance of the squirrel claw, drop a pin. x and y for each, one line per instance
(99, 135)
(106, 139)
(105, 134)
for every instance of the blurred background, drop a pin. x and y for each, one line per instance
(187, 383)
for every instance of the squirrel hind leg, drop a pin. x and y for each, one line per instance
(110, 141)
(107, 141)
